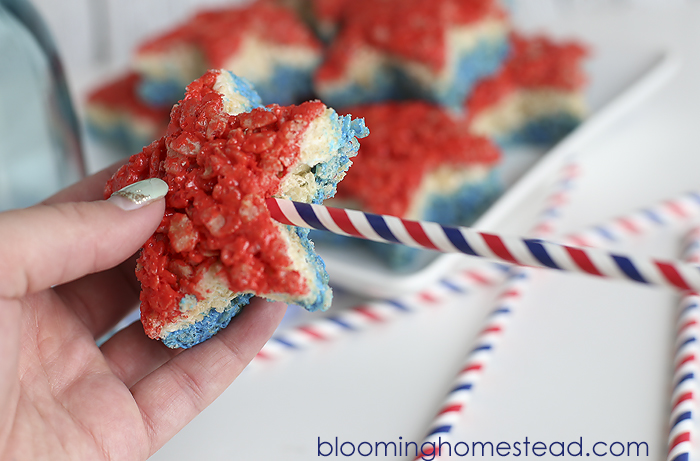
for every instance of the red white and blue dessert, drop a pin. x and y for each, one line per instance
(261, 42)
(116, 115)
(324, 15)
(537, 98)
(419, 163)
(217, 245)
(434, 50)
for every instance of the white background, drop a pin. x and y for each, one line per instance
(93, 32)
(582, 358)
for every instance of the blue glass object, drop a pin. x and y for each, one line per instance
(40, 149)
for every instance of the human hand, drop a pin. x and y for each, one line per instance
(66, 278)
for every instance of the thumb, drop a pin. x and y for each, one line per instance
(48, 245)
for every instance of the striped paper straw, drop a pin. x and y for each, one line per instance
(676, 211)
(685, 374)
(476, 361)
(668, 213)
(549, 217)
(494, 327)
(324, 329)
(514, 250)
(358, 317)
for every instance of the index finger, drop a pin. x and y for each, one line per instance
(99, 300)
(48, 245)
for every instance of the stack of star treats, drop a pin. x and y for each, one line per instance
(444, 85)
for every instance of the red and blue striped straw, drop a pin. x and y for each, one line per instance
(478, 357)
(636, 224)
(352, 320)
(677, 211)
(684, 393)
(669, 213)
(494, 327)
(514, 250)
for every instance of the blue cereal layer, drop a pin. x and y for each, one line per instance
(542, 131)
(119, 135)
(286, 85)
(319, 279)
(328, 174)
(392, 83)
(246, 90)
(461, 208)
(161, 92)
(207, 327)
(168, 92)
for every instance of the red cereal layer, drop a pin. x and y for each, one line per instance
(331, 11)
(534, 62)
(220, 32)
(220, 168)
(415, 30)
(541, 61)
(121, 95)
(407, 140)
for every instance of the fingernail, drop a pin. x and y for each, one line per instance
(139, 194)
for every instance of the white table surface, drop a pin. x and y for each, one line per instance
(582, 358)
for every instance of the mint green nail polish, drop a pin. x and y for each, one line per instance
(139, 194)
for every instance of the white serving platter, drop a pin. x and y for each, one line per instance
(619, 82)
